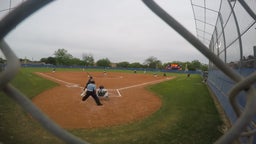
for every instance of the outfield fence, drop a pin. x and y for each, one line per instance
(230, 49)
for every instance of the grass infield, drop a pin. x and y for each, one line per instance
(187, 116)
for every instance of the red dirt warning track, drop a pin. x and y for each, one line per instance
(63, 103)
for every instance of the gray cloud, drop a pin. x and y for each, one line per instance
(121, 30)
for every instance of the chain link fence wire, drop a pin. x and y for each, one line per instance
(11, 20)
(233, 41)
(228, 30)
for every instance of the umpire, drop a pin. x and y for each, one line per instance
(91, 91)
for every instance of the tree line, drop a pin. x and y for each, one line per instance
(62, 57)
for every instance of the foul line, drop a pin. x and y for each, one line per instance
(151, 82)
(67, 83)
(117, 90)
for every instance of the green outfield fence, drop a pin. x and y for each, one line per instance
(225, 35)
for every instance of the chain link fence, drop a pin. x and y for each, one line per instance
(228, 29)
(228, 41)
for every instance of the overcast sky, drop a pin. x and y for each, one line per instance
(120, 30)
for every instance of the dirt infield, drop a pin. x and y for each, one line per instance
(130, 102)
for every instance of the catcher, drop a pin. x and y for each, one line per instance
(102, 92)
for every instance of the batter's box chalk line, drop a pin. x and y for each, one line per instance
(114, 93)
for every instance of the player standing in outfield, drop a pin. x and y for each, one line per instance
(91, 91)
(188, 75)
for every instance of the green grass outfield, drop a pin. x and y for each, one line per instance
(187, 116)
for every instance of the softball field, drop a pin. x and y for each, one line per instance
(128, 100)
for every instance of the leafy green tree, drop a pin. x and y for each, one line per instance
(49, 60)
(76, 61)
(105, 62)
(196, 64)
(62, 57)
(123, 64)
(153, 62)
(88, 59)
(135, 65)
(191, 67)
(43, 60)
(204, 67)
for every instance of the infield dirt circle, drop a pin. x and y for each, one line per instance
(129, 100)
